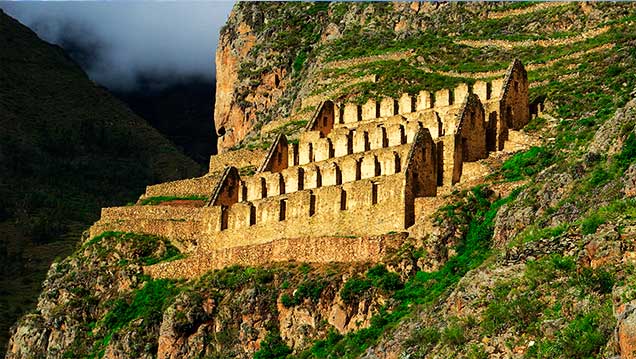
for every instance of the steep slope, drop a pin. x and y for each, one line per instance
(534, 262)
(67, 148)
(181, 112)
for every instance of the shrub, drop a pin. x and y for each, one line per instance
(628, 153)
(591, 223)
(287, 300)
(598, 280)
(148, 302)
(272, 347)
(453, 335)
(584, 337)
(299, 61)
(383, 279)
(352, 289)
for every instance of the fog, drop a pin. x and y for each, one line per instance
(121, 44)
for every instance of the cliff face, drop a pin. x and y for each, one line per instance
(534, 260)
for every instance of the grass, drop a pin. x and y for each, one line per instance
(621, 208)
(526, 164)
(532, 233)
(153, 201)
(522, 304)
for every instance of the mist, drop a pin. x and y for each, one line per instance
(128, 45)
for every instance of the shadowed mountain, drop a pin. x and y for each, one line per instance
(67, 148)
(181, 110)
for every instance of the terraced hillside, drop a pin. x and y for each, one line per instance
(324, 52)
(532, 258)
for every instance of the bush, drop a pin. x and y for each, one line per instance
(591, 223)
(308, 289)
(148, 302)
(287, 300)
(272, 347)
(352, 289)
(520, 313)
(378, 276)
(598, 280)
(628, 153)
(453, 335)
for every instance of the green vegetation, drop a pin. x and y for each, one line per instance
(521, 304)
(307, 290)
(378, 277)
(147, 302)
(622, 208)
(145, 249)
(393, 79)
(68, 149)
(273, 347)
(526, 164)
(153, 201)
(532, 233)
(582, 338)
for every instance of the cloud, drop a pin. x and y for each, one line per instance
(119, 43)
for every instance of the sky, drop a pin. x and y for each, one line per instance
(118, 43)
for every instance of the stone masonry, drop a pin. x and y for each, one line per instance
(355, 172)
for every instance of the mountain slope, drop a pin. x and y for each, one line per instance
(536, 261)
(67, 148)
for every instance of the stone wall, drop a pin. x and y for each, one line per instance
(420, 174)
(365, 207)
(357, 170)
(514, 98)
(239, 159)
(333, 171)
(200, 186)
(183, 225)
(277, 157)
(309, 249)
(471, 128)
(371, 206)
(323, 119)
(227, 190)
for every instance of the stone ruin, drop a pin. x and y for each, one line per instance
(345, 191)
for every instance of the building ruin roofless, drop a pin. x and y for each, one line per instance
(352, 180)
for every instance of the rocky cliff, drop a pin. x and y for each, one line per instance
(534, 260)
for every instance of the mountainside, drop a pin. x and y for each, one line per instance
(67, 148)
(181, 112)
(534, 259)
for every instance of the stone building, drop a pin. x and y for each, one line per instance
(355, 172)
